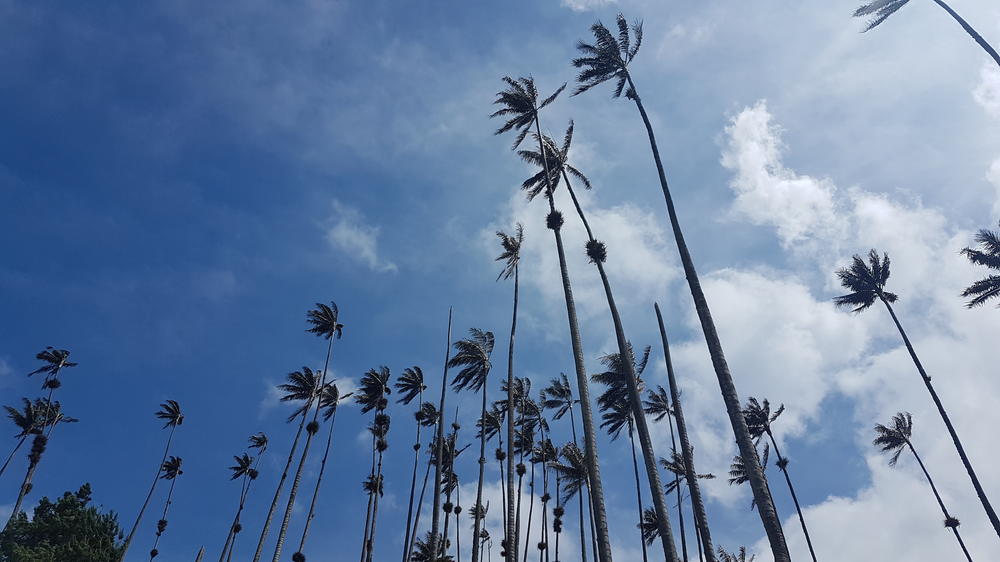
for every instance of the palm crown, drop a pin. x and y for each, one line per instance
(558, 396)
(473, 354)
(615, 378)
(894, 437)
(330, 398)
(373, 391)
(171, 468)
(258, 441)
(324, 320)
(410, 384)
(676, 465)
(55, 360)
(759, 417)
(657, 404)
(170, 411)
(572, 471)
(427, 415)
(511, 255)
(30, 420)
(738, 556)
(557, 161)
(491, 423)
(866, 281)
(879, 10)
(243, 466)
(608, 57)
(520, 106)
(300, 386)
(988, 254)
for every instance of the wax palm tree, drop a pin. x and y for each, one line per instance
(676, 466)
(170, 413)
(738, 556)
(739, 475)
(511, 258)
(520, 105)
(427, 416)
(301, 387)
(879, 10)
(473, 355)
(29, 421)
(543, 453)
(52, 416)
(866, 281)
(572, 472)
(608, 59)
(171, 469)
(894, 439)
(759, 419)
(657, 405)
(439, 442)
(988, 254)
(411, 385)
(430, 548)
(329, 400)
(54, 362)
(372, 397)
(489, 426)
(259, 442)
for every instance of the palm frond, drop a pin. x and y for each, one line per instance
(324, 320)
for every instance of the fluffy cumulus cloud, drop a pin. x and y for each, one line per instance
(350, 233)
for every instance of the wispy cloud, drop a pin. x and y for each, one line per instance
(585, 5)
(348, 232)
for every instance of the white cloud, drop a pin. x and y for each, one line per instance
(348, 231)
(585, 5)
(987, 92)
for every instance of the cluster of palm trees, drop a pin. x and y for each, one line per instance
(565, 477)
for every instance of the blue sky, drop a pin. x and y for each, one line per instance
(181, 181)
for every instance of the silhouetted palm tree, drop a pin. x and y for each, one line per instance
(739, 556)
(372, 397)
(608, 59)
(301, 386)
(866, 281)
(55, 360)
(558, 396)
(573, 473)
(988, 255)
(438, 445)
(894, 438)
(171, 469)
(258, 441)
(473, 355)
(879, 10)
(29, 421)
(511, 258)
(427, 416)
(657, 405)
(411, 385)
(521, 106)
(170, 413)
(52, 416)
(430, 548)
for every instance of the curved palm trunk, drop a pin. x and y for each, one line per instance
(937, 496)
(687, 452)
(510, 531)
(319, 480)
(947, 421)
(783, 465)
(479, 487)
(638, 493)
(765, 507)
(436, 512)
(166, 506)
(413, 486)
(11, 455)
(972, 32)
(145, 504)
(277, 491)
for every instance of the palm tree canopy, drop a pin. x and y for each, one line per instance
(473, 354)
(677, 466)
(511, 255)
(608, 57)
(330, 398)
(759, 417)
(324, 320)
(895, 437)
(988, 254)
(737, 470)
(739, 556)
(171, 468)
(522, 387)
(258, 441)
(410, 384)
(657, 404)
(429, 549)
(557, 160)
(170, 411)
(615, 378)
(491, 423)
(879, 10)
(427, 415)
(55, 360)
(544, 452)
(29, 420)
(300, 386)
(558, 396)
(615, 416)
(243, 466)
(866, 281)
(374, 388)
(572, 471)
(650, 526)
(519, 105)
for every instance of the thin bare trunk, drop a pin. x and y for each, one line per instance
(479, 487)
(436, 512)
(145, 504)
(416, 518)
(12, 453)
(277, 491)
(972, 32)
(166, 506)
(319, 480)
(413, 483)
(783, 466)
(638, 492)
(510, 531)
(937, 496)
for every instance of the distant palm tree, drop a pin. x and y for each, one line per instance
(473, 355)
(511, 258)
(372, 397)
(411, 385)
(171, 469)
(988, 254)
(739, 556)
(738, 474)
(657, 405)
(677, 466)
(55, 360)
(249, 473)
(882, 9)
(430, 548)
(894, 438)
(427, 416)
(573, 472)
(543, 453)
(29, 421)
(439, 443)
(301, 386)
(866, 281)
(608, 59)
(492, 426)
(520, 107)
(558, 396)
(170, 413)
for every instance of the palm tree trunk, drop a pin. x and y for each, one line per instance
(937, 496)
(277, 491)
(166, 506)
(510, 532)
(972, 32)
(244, 489)
(26, 483)
(283, 530)
(416, 518)
(765, 507)
(589, 433)
(638, 493)
(413, 484)
(479, 487)
(558, 505)
(145, 504)
(370, 546)
(436, 512)
(583, 518)
(687, 451)
(545, 492)
(201, 553)
(947, 421)
(677, 488)
(531, 509)
(12, 453)
(319, 480)
(783, 465)
(368, 508)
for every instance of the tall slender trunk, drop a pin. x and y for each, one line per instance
(765, 507)
(520, 483)
(479, 487)
(638, 492)
(677, 488)
(559, 532)
(12, 453)
(231, 536)
(368, 508)
(972, 32)
(201, 553)
(579, 495)
(589, 432)
(319, 480)
(687, 451)
(413, 482)
(436, 512)
(145, 504)
(370, 546)
(545, 491)
(531, 509)
(510, 532)
(947, 421)
(416, 518)
(166, 506)
(783, 465)
(277, 491)
(937, 496)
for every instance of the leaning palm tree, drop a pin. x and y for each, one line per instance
(427, 416)
(988, 254)
(759, 419)
(866, 283)
(520, 106)
(473, 355)
(894, 439)
(170, 413)
(52, 416)
(54, 362)
(171, 469)
(258, 441)
(300, 386)
(438, 453)
(737, 556)
(411, 385)
(608, 59)
(880, 10)
(511, 258)
(372, 397)
(29, 421)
